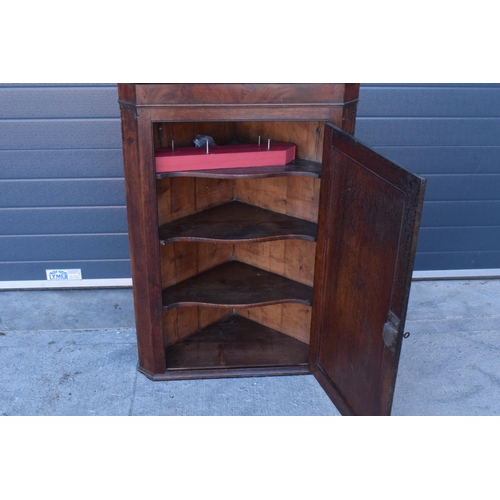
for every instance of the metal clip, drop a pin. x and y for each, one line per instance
(390, 331)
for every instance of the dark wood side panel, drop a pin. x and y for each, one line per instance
(140, 185)
(127, 93)
(349, 117)
(369, 216)
(351, 96)
(351, 92)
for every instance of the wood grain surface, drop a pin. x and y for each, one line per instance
(235, 284)
(236, 342)
(237, 221)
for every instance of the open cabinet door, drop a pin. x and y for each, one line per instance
(369, 219)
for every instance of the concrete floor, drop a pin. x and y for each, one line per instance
(73, 352)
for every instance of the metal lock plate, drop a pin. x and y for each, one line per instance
(390, 331)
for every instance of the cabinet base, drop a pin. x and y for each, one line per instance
(234, 347)
(226, 373)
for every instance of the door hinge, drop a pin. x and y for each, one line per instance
(390, 331)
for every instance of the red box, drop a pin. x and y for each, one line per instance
(239, 156)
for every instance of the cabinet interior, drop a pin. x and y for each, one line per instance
(192, 325)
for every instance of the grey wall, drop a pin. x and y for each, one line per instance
(449, 134)
(62, 202)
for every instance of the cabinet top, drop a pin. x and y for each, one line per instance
(199, 94)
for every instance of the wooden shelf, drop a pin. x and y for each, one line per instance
(234, 284)
(236, 342)
(297, 167)
(236, 221)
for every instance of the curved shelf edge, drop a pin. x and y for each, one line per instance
(297, 167)
(235, 306)
(237, 240)
(235, 284)
(237, 222)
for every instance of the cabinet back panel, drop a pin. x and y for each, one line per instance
(183, 260)
(307, 136)
(182, 196)
(182, 322)
(183, 133)
(291, 319)
(295, 196)
(302, 197)
(293, 259)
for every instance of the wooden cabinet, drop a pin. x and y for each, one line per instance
(302, 268)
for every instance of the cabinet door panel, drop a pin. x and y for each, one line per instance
(369, 217)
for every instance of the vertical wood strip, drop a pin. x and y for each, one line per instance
(143, 236)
